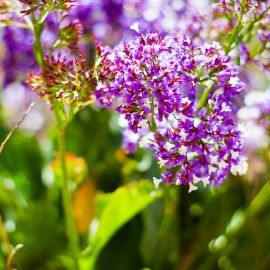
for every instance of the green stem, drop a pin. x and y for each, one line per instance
(71, 231)
(203, 98)
(240, 217)
(260, 201)
(168, 227)
(37, 45)
(234, 37)
(70, 226)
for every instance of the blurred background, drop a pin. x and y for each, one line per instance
(142, 228)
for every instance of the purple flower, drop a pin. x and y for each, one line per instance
(18, 58)
(161, 85)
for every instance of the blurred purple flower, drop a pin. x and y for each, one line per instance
(18, 59)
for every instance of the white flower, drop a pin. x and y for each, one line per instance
(247, 113)
(144, 124)
(183, 135)
(196, 179)
(192, 187)
(169, 146)
(222, 164)
(161, 162)
(212, 169)
(135, 27)
(241, 168)
(234, 81)
(182, 117)
(225, 107)
(146, 140)
(197, 121)
(131, 136)
(213, 159)
(205, 181)
(122, 122)
(185, 100)
(234, 154)
(182, 150)
(157, 181)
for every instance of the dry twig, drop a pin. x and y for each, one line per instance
(16, 127)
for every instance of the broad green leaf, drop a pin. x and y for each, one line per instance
(122, 205)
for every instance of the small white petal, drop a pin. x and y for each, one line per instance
(234, 81)
(135, 27)
(212, 169)
(234, 154)
(157, 181)
(182, 117)
(197, 121)
(210, 102)
(191, 155)
(182, 150)
(169, 146)
(213, 159)
(225, 107)
(146, 140)
(122, 122)
(183, 135)
(222, 164)
(185, 100)
(192, 187)
(196, 179)
(144, 124)
(162, 162)
(205, 181)
(241, 168)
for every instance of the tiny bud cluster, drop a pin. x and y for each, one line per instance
(70, 34)
(65, 80)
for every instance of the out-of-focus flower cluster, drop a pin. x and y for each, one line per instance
(107, 21)
(255, 119)
(241, 21)
(161, 85)
(19, 57)
(59, 30)
(112, 18)
(44, 5)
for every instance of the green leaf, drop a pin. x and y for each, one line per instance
(122, 205)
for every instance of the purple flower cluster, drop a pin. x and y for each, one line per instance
(19, 57)
(176, 99)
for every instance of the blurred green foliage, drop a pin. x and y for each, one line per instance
(134, 225)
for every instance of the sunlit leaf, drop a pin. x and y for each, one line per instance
(123, 205)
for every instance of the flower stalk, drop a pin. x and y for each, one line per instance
(70, 226)
(71, 231)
